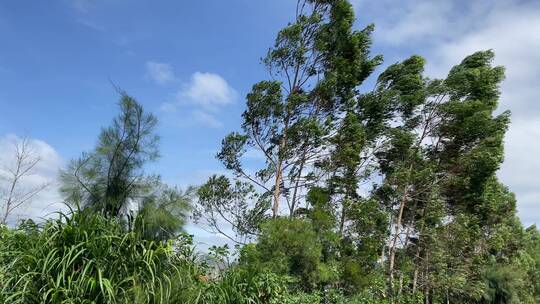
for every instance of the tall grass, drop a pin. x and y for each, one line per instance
(87, 259)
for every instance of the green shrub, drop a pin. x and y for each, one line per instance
(287, 247)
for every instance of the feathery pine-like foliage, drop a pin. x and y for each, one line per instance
(111, 176)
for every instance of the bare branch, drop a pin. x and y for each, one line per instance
(17, 194)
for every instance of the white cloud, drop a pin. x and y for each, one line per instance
(204, 95)
(206, 119)
(514, 35)
(161, 73)
(208, 90)
(82, 6)
(426, 21)
(46, 172)
(445, 32)
(421, 20)
(521, 167)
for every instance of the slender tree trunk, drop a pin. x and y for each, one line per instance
(279, 169)
(275, 208)
(11, 194)
(426, 280)
(397, 228)
(407, 238)
(392, 254)
(417, 255)
(416, 267)
(415, 280)
(25, 162)
(295, 192)
(400, 290)
(342, 218)
(382, 255)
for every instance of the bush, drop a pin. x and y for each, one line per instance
(287, 247)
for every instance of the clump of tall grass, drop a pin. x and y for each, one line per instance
(86, 258)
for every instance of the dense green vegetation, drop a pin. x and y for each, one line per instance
(379, 194)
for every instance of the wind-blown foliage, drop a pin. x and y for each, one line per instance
(111, 180)
(381, 195)
(393, 188)
(162, 214)
(110, 177)
(85, 258)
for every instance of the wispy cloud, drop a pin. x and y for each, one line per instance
(204, 95)
(521, 167)
(207, 90)
(160, 73)
(83, 14)
(82, 6)
(206, 119)
(90, 24)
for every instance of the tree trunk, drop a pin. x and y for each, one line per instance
(342, 219)
(279, 169)
(400, 286)
(277, 188)
(9, 199)
(416, 266)
(415, 280)
(295, 192)
(426, 279)
(392, 251)
(392, 254)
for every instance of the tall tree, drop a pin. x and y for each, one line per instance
(471, 152)
(315, 66)
(109, 178)
(439, 167)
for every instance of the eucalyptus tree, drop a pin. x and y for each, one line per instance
(470, 152)
(439, 168)
(315, 66)
(407, 92)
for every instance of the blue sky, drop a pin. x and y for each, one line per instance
(192, 62)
